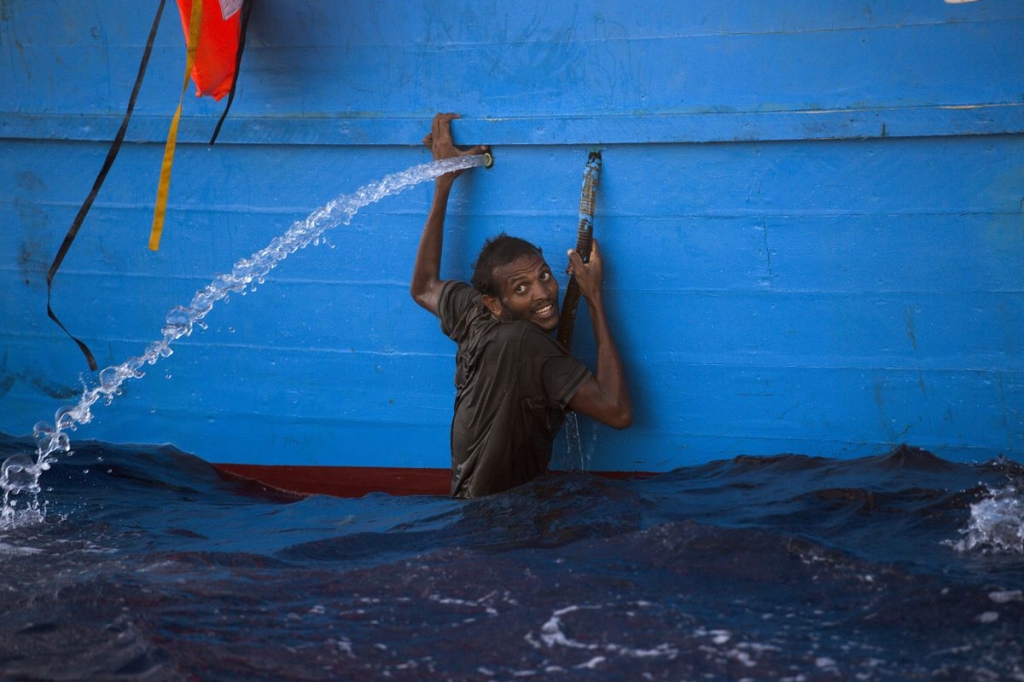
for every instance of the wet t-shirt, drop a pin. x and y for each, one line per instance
(513, 382)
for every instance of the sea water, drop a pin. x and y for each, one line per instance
(148, 565)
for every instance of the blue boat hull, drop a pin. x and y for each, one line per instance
(811, 214)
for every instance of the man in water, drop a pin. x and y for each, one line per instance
(513, 381)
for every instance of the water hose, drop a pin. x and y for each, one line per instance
(584, 241)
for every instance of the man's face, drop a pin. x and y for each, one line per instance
(527, 291)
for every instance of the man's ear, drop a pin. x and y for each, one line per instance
(493, 304)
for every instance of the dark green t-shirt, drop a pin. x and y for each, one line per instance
(512, 383)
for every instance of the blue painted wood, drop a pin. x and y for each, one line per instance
(317, 73)
(812, 216)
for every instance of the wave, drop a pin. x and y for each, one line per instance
(149, 564)
(904, 505)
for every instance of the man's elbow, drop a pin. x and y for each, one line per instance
(421, 301)
(611, 408)
(621, 418)
(425, 296)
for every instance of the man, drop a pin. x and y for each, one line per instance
(514, 382)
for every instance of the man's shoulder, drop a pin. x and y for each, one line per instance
(457, 288)
(458, 304)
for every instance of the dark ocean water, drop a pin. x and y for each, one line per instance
(147, 565)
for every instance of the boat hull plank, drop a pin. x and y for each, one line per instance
(812, 217)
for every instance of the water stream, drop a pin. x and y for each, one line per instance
(576, 457)
(20, 473)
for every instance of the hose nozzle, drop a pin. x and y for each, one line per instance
(488, 160)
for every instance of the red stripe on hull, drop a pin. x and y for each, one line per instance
(359, 481)
(345, 481)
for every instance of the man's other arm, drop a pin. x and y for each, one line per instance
(605, 397)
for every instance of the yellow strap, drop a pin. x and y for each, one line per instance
(195, 21)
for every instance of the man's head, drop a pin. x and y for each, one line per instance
(516, 282)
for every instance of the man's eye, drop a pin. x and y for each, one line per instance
(545, 276)
(521, 289)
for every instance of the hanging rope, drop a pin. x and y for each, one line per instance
(115, 147)
(164, 187)
(246, 12)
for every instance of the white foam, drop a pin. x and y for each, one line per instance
(1006, 596)
(996, 525)
(553, 634)
(12, 549)
(592, 663)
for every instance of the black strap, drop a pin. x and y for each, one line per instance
(111, 155)
(246, 11)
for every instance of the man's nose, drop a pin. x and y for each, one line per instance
(542, 290)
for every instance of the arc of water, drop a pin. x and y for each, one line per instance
(20, 473)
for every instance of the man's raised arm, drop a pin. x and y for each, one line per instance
(426, 274)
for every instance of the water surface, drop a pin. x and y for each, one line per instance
(148, 565)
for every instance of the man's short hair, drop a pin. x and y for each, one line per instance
(497, 251)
